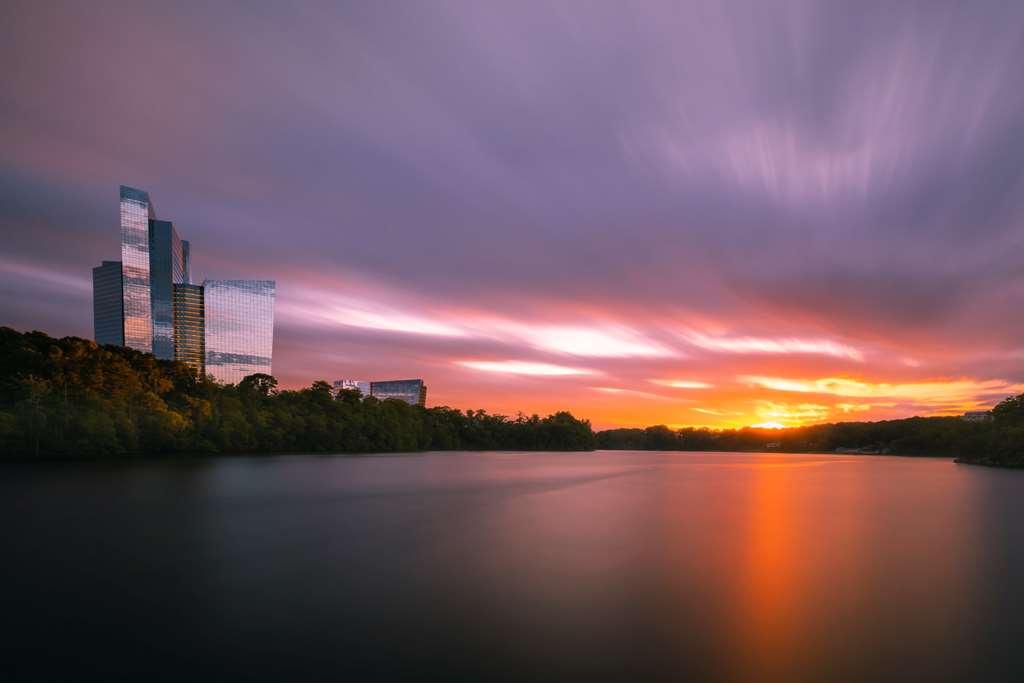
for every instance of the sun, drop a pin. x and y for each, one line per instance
(769, 425)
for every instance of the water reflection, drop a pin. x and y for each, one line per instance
(626, 565)
(848, 574)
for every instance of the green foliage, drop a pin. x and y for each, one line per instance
(999, 441)
(1010, 411)
(70, 398)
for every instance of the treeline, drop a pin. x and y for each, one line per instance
(70, 398)
(998, 441)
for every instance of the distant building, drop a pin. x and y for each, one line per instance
(239, 328)
(189, 326)
(362, 386)
(412, 391)
(107, 304)
(976, 416)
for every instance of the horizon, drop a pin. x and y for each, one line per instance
(778, 217)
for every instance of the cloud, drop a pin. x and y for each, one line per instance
(519, 367)
(632, 393)
(935, 391)
(781, 345)
(682, 383)
(47, 277)
(853, 407)
(595, 342)
(709, 411)
(776, 414)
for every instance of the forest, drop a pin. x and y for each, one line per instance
(70, 398)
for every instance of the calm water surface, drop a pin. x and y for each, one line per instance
(609, 564)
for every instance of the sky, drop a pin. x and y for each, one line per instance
(685, 213)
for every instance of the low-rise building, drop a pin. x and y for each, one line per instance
(412, 391)
(362, 386)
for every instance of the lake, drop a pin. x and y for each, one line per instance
(612, 564)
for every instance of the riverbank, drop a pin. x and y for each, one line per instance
(70, 399)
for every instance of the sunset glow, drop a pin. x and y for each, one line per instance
(739, 223)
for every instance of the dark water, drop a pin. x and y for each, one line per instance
(490, 565)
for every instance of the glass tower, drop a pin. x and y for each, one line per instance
(412, 391)
(166, 268)
(107, 302)
(189, 332)
(136, 212)
(147, 302)
(239, 321)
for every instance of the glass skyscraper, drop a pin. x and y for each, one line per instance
(239, 328)
(166, 268)
(224, 328)
(136, 212)
(189, 326)
(107, 302)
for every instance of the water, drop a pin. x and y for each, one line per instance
(608, 564)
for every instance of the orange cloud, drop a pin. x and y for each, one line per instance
(782, 345)
(518, 367)
(777, 415)
(941, 391)
(682, 383)
(597, 342)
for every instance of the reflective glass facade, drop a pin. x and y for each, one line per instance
(136, 212)
(146, 301)
(239, 318)
(189, 332)
(186, 257)
(166, 268)
(107, 314)
(412, 391)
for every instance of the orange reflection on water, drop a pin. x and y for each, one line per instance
(769, 591)
(831, 558)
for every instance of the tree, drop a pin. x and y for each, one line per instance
(259, 383)
(1010, 410)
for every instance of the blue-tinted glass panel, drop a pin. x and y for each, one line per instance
(412, 391)
(136, 212)
(186, 262)
(189, 327)
(239, 318)
(107, 300)
(166, 267)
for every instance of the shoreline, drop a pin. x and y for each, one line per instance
(201, 457)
